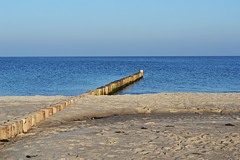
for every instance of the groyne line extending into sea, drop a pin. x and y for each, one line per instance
(23, 125)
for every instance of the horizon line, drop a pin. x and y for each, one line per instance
(63, 56)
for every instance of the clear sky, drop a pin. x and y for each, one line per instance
(119, 27)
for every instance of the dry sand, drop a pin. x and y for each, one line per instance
(15, 107)
(160, 126)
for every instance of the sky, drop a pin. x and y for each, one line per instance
(120, 28)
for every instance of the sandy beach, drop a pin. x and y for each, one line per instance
(154, 126)
(15, 107)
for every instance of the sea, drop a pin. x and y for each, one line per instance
(70, 76)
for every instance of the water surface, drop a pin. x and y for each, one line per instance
(76, 75)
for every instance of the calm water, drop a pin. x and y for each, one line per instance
(76, 75)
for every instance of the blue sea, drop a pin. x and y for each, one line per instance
(75, 75)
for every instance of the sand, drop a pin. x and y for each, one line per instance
(15, 107)
(156, 126)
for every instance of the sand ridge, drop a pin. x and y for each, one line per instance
(100, 106)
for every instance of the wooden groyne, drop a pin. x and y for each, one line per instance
(116, 86)
(23, 125)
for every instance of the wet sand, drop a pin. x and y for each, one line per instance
(157, 126)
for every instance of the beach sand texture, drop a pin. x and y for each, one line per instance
(159, 126)
(15, 107)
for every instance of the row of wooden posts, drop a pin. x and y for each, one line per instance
(13, 128)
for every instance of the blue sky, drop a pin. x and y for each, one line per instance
(121, 27)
